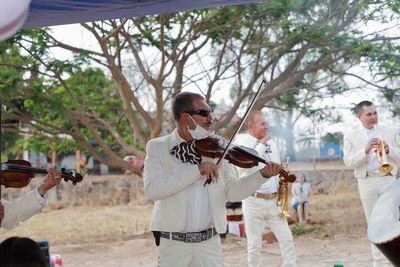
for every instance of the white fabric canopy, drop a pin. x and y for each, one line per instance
(58, 12)
(15, 14)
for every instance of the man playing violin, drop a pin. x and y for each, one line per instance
(359, 152)
(13, 212)
(187, 214)
(261, 207)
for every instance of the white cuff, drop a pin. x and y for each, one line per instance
(39, 198)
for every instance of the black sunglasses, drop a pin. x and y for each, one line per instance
(201, 112)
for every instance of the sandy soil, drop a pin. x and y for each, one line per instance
(350, 251)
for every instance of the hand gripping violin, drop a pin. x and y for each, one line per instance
(18, 173)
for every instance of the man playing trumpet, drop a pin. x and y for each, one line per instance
(375, 156)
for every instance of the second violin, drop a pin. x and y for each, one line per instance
(18, 173)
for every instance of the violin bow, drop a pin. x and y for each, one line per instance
(249, 108)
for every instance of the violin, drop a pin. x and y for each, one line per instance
(240, 156)
(18, 173)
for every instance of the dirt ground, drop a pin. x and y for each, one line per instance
(118, 235)
(350, 251)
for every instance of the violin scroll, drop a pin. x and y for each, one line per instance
(71, 175)
(288, 177)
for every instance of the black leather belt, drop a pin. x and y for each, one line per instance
(191, 237)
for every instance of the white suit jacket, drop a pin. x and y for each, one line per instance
(20, 209)
(354, 149)
(166, 181)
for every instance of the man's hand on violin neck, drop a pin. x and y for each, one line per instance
(271, 169)
(209, 170)
(53, 178)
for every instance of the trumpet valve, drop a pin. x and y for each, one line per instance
(284, 213)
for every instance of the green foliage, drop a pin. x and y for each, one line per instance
(9, 143)
(63, 147)
(300, 229)
(335, 137)
(289, 100)
(393, 98)
(394, 5)
(44, 98)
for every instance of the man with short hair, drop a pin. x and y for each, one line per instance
(189, 215)
(359, 151)
(261, 207)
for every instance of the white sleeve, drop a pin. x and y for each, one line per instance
(39, 198)
(20, 209)
(158, 182)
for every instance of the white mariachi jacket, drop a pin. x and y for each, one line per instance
(166, 181)
(20, 209)
(354, 150)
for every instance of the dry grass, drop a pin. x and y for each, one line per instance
(337, 213)
(86, 223)
(340, 212)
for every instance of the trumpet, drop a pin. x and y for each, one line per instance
(283, 197)
(380, 151)
(282, 200)
(384, 166)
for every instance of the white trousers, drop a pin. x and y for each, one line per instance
(370, 189)
(257, 213)
(172, 253)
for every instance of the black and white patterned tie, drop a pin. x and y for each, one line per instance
(186, 152)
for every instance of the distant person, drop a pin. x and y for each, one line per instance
(300, 198)
(359, 153)
(189, 214)
(261, 207)
(21, 252)
(21, 209)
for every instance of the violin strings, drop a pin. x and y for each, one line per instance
(23, 168)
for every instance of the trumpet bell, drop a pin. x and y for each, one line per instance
(385, 168)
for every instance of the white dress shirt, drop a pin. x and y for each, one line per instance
(373, 163)
(198, 208)
(269, 152)
(198, 211)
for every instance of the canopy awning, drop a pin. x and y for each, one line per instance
(57, 12)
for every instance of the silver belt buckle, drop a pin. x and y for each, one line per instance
(193, 238)
(178, 236)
